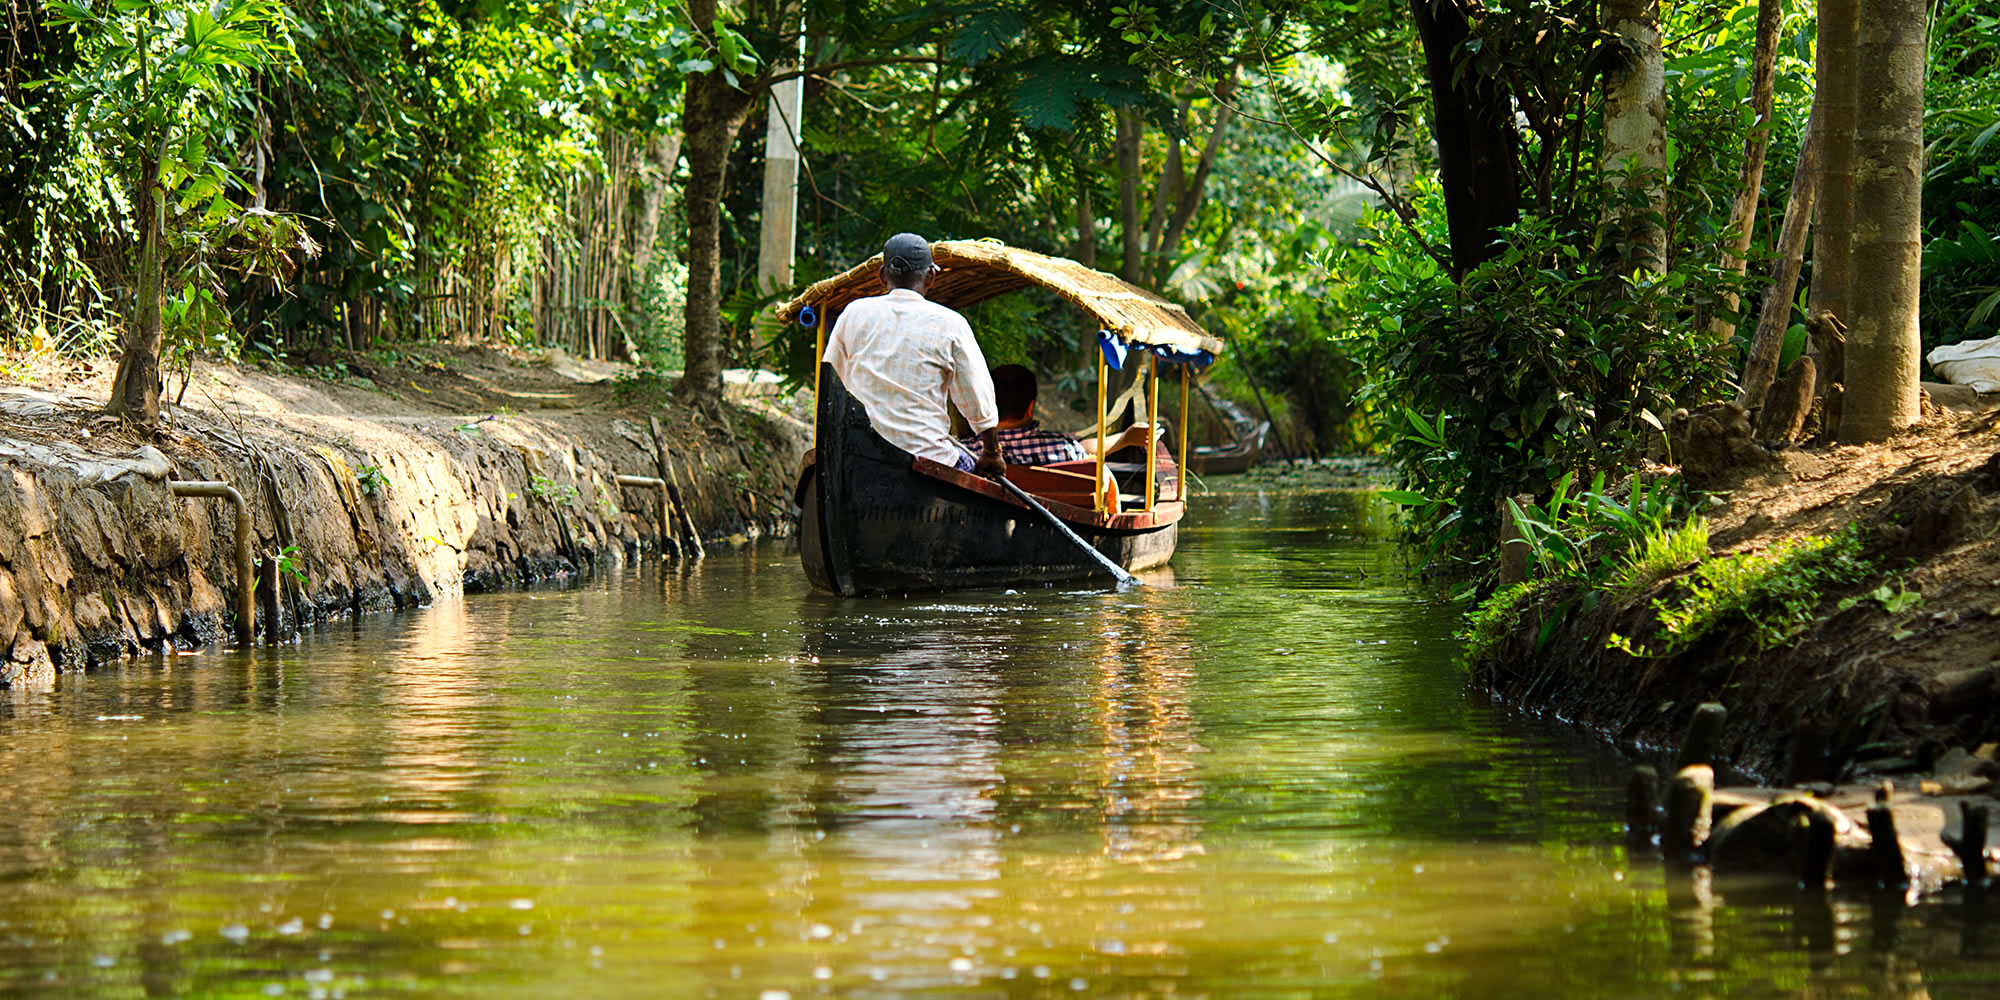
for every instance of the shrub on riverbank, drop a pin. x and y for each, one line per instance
(1777, 592)
(1847, 587)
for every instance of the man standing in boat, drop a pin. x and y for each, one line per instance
(903, 357)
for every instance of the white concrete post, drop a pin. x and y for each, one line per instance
(781, 179)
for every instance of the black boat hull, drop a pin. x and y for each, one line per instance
(875, 520)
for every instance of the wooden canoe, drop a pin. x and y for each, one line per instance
(875, 519)
(1224, 459)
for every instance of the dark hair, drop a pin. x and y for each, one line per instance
(1014, 390)
(896, 274)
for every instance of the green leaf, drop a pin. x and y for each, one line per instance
(985, 33)
(1979, 143)
(1423, 427)
(68, 13)
(1045, 100)
(1794, 345)
(1406, 498)
(1548, 629)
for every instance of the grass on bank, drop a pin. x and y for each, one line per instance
(1777, 591)
(1663, 549)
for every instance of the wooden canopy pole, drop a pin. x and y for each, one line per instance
(1152, 421)
(819, 358)
(1181, 457)
(1098, 488)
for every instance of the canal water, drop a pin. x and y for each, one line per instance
(1259, 776)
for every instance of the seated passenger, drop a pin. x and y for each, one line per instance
(1022, 439)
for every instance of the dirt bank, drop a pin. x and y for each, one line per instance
(384, 482)
(1883, 672)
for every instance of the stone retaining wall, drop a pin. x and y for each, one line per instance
(98, 560)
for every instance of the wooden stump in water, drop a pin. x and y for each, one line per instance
(1690, 802)
(1704, 736)
(1642, 805)
(1885, 848)
(267, 595)
(1968, 841)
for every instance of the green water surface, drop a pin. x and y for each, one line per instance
(1260, 776)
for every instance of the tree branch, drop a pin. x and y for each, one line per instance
(1401, 209)
(834, 67)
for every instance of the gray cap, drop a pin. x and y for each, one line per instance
(907, 253)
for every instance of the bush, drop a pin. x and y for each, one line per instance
(1533, 368)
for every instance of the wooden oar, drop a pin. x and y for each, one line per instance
(1117, 572)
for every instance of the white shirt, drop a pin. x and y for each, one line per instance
(903, 356)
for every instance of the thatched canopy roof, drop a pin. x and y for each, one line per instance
(977, 270)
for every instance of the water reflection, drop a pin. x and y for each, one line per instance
(1260, 774)
(1149, 788)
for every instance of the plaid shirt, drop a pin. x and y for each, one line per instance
(1028, 444)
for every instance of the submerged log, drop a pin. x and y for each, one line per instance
(1792, 836)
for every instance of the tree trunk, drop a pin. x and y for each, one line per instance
(1130, 128)
(1750, 182)
(1086, 216)
(1882, 341)
(713, 114)
(135, 390)
(1833, 101)
(1190, 197)
(779, 215)
(1472, 120)
(1173, 179)
(653, 184)
(1635, 140)
(1775, 317)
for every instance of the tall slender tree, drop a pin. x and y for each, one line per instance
(717, 105)
(160, 90)
(1882, 341)
(1750, 183)
(1131, 134)
(1635, 137)
(1834, 87)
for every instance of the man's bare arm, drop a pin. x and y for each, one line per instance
(989, 463)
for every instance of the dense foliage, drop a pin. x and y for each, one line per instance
(1962, 189)
(514, 171)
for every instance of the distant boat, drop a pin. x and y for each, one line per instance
(1236, 456)
(877, 520)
